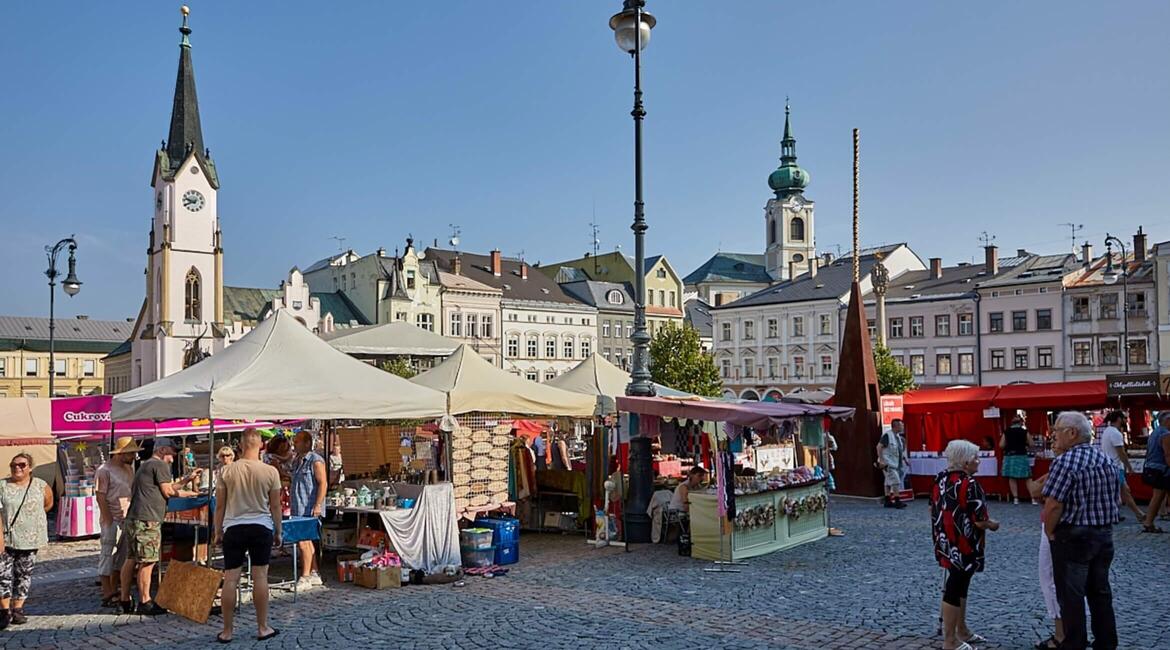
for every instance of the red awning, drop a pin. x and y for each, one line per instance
(1053, 396)
(930, 400)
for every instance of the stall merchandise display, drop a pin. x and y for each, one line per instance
(776, 480)
(479, 467)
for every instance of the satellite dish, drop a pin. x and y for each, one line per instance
(454, 241)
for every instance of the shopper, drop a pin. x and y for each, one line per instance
(247, 524)
(959, 519)
(307, 490)
(142, 528)
(1078, 519)
(24, 500)
(1014, 443)
(891, 458)
(112, 482)
(1113, 446)
(540, 448)
(336, 465)
(1047, 581)
(1156, 471)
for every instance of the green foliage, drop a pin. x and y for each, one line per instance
(893, 378)
(398, 366)
(677, 360)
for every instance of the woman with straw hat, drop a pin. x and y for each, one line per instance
(113, 480)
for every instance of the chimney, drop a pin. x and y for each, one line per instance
(82, 317)
(1086, 254)
(812, 266)
(523, 270)
(496, 271)
(1139, 246)
(381, 252)
(457, 265)
(991, 259)
(1020, 252)
(827, 258)
(936, 267)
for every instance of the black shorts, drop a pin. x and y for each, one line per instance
(251, 539)
(1156, 478)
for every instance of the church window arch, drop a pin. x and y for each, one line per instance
(772, 231)
(193, 296)
(796, 229)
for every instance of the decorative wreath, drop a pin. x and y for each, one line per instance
(756, 517)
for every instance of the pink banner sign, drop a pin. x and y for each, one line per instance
(88, 418)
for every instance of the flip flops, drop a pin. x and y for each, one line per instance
(1152, 529)
(219, 638)
(271, 634)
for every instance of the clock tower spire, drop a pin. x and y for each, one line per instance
(788, 216)
(182, 317)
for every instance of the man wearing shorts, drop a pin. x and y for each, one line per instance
(307, 492)
(247, 523)
(142, 528)
(891, 459)
(113, 480)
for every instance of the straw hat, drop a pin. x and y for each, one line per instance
(125, 445)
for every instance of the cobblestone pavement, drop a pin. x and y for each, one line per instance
(877, 587)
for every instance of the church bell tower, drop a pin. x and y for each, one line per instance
(788, 216)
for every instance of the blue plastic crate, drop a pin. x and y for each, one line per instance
(508, 553)
(506, 529)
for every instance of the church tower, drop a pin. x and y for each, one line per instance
(182, 318)
(788, 217)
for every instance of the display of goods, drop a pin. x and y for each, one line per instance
(499, 453)
(481, 461)
(461, 454)
(762, 516)
(502, 441)
(499, 497)
(462, 491)
(498, 486)
(481, 448)
(480, 473)
(461, 441)
(461, 467)
(479, 500)
(499, 474)
(481, 436)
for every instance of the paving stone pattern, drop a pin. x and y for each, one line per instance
(878, 587)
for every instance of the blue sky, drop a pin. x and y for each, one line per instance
(372, 120)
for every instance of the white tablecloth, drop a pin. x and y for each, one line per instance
(931, 465)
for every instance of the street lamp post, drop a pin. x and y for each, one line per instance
(70, 284)
(1110, 277)
(631, 29)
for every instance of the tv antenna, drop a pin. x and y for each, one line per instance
(520, 255)
(595, 242)
(986, 239)
(1073, 228)
(340, 242)
(454, 240)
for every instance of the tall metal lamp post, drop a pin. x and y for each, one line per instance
(1110, 277)
(70, 284)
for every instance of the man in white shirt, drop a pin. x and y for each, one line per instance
(1113, 446)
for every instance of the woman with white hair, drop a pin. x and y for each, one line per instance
(958, 511)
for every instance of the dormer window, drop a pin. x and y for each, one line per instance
(410, 279)
(615, 297)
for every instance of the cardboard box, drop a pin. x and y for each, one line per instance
(379, 578)
(338, 537)
(372, 539)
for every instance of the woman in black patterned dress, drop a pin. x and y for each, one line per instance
(958, 512)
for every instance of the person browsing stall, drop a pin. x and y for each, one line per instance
(113, 480)
(891, 459)
(1156, 471)
(307, 492)
(24, 529)
(1113, 446)
(247, 524)
(681, 499)
(142, 529)
(1014, 443)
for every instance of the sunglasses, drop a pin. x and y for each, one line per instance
(18, 465)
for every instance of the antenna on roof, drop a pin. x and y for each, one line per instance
(986, 239)
(520, 255)
(595, 242)
(1074, 228)
(340, 242)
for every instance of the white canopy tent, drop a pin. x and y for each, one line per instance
(605, 382)
(391, 339)
(280, 370)
(474, 385)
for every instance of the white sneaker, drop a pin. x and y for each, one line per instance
(315, 578)
(305, 584)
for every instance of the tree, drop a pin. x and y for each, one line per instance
(678, 361)
(893, 378)
(398, 366)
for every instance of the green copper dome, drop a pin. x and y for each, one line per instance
(789, 178)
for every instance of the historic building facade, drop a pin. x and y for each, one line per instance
(80, 344)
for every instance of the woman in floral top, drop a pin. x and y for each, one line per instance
(958, 515)
(24, 500)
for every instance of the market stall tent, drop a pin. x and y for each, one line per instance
(398, 338)
(26, 425)
(474, 385)
(280, 370)
(598, 377)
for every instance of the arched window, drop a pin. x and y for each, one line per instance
(796, 229)
(772, 231)
(192, 302)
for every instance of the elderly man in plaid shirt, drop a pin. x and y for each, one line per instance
(1079, 514)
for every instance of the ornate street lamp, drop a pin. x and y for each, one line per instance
(70, 284)
(1110, 277)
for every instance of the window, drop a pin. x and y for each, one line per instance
(550, 348)
(400, 315)
(513, 346)
(1108, 306)
(918, 365)
(531, 347)
(615, 297)
(1109, 353)
(513, 317)
(726, 331)
(942, 325)
(1044, 357)
(773, 328)
(192, 297)
(826, 325)
(586, 347)
(472, 325)
(749, 367)
(661, 273)
(456, 327)
(59, 367)
(1082, 353)
(605, 329)
(725, 368)
(3, 367)
(618, 359)
(917, 328)
(772, 231)
(896, 331)
(550, 375)
(796, 229)
(966, 363)
(607, 353)
(425, 321)
(89, 368)
(1043, 319)
(410, 279)
(630, 329)
(1135, 304)
(871, 325)
(1080, 308)
(568, 345)
(531, 375)
(661, 298)
(773, 367)
(966, 324)
(826, 365)
(353, 280)
(586, 322)
(672, 299)
(997, 359)
(749, 330)
(798, 367)
(650, 297)
(1137, 352)
(1020, 358)
(942, 364)
(550, 319)
(30, 368)
(798, 325)
(995, 321)
(487, 326)
(1019, 321)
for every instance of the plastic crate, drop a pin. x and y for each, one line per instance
(478, 557)
(476, 538)
(507, 529)
(508, 553)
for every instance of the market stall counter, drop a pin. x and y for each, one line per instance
(770, 520)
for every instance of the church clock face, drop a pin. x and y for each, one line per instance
(193, 200)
